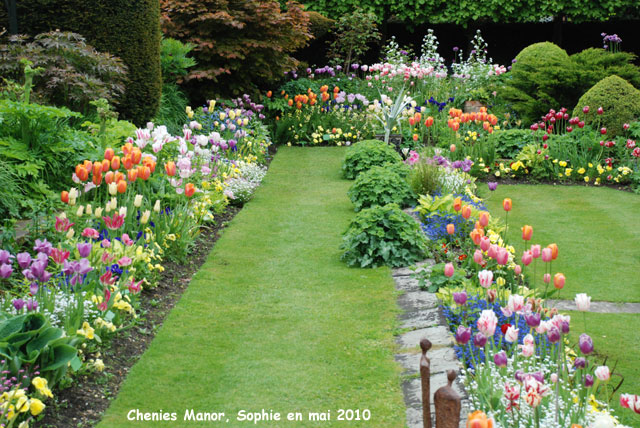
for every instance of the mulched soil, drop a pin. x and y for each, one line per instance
(82, 404)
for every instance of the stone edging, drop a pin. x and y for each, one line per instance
(422, 317)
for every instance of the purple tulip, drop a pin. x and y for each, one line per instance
(24, 260)
(586, 344)
(33, 288)
(5, 257)
(28, 275)
(37, 269)
(537, 376)
(565, 327)
(532, 319)
(520, 376)
(553, 334)
(5, 271)
(32, 305)
(460, 298)
(463, 335)
(479, 340)
(492, 185)
(43, 247)
(500, 359)
(44, 258)
(84, 248)
(580, 362)
(588, 380)
(18, 304)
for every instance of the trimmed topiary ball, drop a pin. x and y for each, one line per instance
(383, 235)
(380, 186)
(619, 100)
(365, 154)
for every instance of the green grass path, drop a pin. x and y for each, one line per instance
(273, 320)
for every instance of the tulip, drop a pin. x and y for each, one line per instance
(448, 270)
(630, 401)
(466, 212)
(492, 185)
(190, 189)
(502, 257)
(586, 344)
(82, 173)
(527, 232)
(535, 251)
(144, 219)
(602, 373)
(144, 172)
(84, 249)
(500, 359)
(485, 243)
(583, 302)
(428, 121)
(477, 257)
(170, 168)
(460, 298)
(588, 381)
(122, 186)
(546, 278)
(553, 334)
(457, 204)
(507, 204)
(532, 319)
(484, 219)
(479, 419)
(5, 270)
(479, 340)
(64, 197)
(585, 109)
(486, 278)
(113, 189)
(554, 251)
(492, 252)
(517, 270)
(137, 201)
(105, 165)
(132, 175)
(80, 211)
(108, 154)
(127, 162)
(600, 110)
(109, 177)
(452, 148)
(451, 229)
(115, 163)
(527, 258)
(136, 155)
(547, 255)
(476, 235)
(463, 335)
(580, 362)
(156, 206)
(487, 322)
(119, 176)
(512, 334)
(558, 281)
(98, 212)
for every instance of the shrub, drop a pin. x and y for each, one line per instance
(238, 44)
(73, 72)
(174, 59)
(128, 29)
(425, 177)
(354, 31)
(383, 235)
(594, 64)
(509, 142)
(319, 25)
(365, 154)
(619, 99)
(541, 78)
(380, 186)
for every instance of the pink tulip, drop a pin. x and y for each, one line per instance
(487, 322)
(517, 270)
(485, 243)
(448, 270)
(527, 258)
(547, 255)
(502, 257)
(477, 257)
(493, 251)
(535, 251)
(603, 373)
(486, 278)
(546, 278)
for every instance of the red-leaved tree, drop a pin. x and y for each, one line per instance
(240, 44)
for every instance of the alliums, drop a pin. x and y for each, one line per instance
(487, 322)
(583, 302)
(585, 343)
(486, 278)
(500, 359)
(463, 335)
(602, 373)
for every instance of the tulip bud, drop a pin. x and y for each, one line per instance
(64, 196)
(107, 208)
(80, 211)
(113, 189)
(517, 270)
(137, 201)
(507, 204)
(527, 232)
(98, 212)
(546, 278)
(558, 281)
(466, 212)
(114, 203)
(145, 217)
(123, 211)
(448, 270)
(88, 209)
(70, 233)
(156, 206)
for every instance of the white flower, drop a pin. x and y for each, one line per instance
(512, 334)
(583, 302)
(156, 206)
(486, 278)
(137, 201)
(603, 373)
(603, 421)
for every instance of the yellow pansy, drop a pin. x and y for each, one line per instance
(36, 406)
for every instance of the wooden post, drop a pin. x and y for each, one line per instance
(425, 375)
(448, 404)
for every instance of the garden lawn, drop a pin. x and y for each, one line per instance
(599, 241)
(596, 230)
(274, 320)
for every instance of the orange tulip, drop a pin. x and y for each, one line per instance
(336, 90)
(476, 235)
(132, 175)
(126, 149)
(478, 419)
(189, 189)
(558, 281)
(88, 165)
(97, 178)
(122, 186)
(457, 204)
(554, 251)
(151, 164)
(109, 153)
(527, 232)
(506, 204)
(82, 173)
(109, 177)
(290, 102)
(170, 168)
(127, 162)
(115, 163)
(269, 94)
(455, 126)
(119, 176)
(64, 196)
(96, 167)
(106, 164)
(428, 121)
(144, 172)
(136, 155)
(451, 229)
(466, 212)
(484, 219)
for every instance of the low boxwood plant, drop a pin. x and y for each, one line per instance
(380, 186)
(383, 235)
(366, 154)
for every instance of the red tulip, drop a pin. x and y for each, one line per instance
(457, 204)
(109, 153)
(428, 121)
(585, 109)
(603, 131)
(600, 110)
(64, 196)
(115, 163)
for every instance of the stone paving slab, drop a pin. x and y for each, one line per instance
(420, 319)
(598, 307)
(417, 301)
(439, 336)
(441, 360)
(406, 271)
(406, 284)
